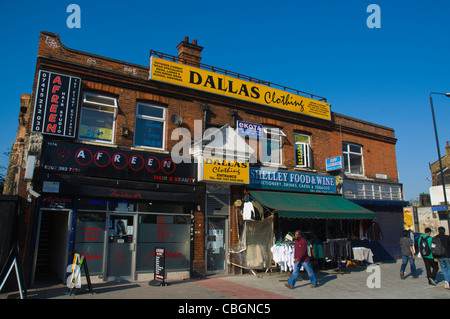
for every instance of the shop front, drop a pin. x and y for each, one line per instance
(114, 215)
(293, 200)
(386, 200)
(222, 165)
(118, 238)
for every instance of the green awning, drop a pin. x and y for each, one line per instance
(311, 205)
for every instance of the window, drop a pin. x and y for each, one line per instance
(353, 158)
(302, 150)
(271, 145)
(149, 127)
(97, 118)
(89, 238)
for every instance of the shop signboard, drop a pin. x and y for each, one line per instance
(55, 110)
(437, 208)
(222, 170)
(160, 264)
(213, 82)
(333, 163)
(95, 161)
(58, 202)
(263, 178)
(249, 129)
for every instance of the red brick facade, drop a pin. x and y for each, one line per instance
(129, 84)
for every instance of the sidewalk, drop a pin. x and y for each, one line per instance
(332, 285)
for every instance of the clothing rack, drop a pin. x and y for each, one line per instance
(338, 249)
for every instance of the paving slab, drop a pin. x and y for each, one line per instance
(377, 281)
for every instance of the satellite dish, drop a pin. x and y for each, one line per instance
(176, 119)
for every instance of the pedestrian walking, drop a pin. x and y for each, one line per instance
(407, 246)
(301, 258)
(431, 263)
(444, 260)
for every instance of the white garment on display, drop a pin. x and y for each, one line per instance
(283, 255)
(249, 211)
(362, 253)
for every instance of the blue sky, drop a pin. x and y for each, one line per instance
(323, 47)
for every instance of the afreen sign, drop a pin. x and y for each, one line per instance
(95, 161)
(55, 110)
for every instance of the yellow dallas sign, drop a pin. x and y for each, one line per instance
(222, 170)
(195, 78)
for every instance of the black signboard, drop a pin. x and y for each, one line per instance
(160, 264)
(55, 110)
(95, 161)
(53, 201)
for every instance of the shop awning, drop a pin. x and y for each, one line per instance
(311, 205)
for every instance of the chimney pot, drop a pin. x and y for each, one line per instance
(189, 53)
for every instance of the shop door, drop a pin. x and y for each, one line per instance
(216, 245)
(121, 247)
(53, 238)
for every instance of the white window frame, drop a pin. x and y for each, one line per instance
(101, 108)
(307, 149)
(151, 118)
(276, 132)
(346, 157)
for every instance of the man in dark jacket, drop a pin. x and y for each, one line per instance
(429, 260)
(301, 258)
(444, 260)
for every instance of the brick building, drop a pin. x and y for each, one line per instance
(436, 170)
(95, 150)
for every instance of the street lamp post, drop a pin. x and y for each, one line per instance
(439, 155)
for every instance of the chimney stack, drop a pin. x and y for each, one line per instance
(189, 53)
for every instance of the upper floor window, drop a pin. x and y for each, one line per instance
(149, 126)
(302, 150)
(97, 119)
(271, 146)
(353, 158)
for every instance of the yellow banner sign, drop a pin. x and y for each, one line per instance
(199, 79)
(222, 170)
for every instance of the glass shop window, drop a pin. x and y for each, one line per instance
(90, 238)
(170, 231)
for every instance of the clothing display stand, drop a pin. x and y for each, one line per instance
(340, 249)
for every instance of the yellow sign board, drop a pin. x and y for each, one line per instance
(222, 170)
(199, 79)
